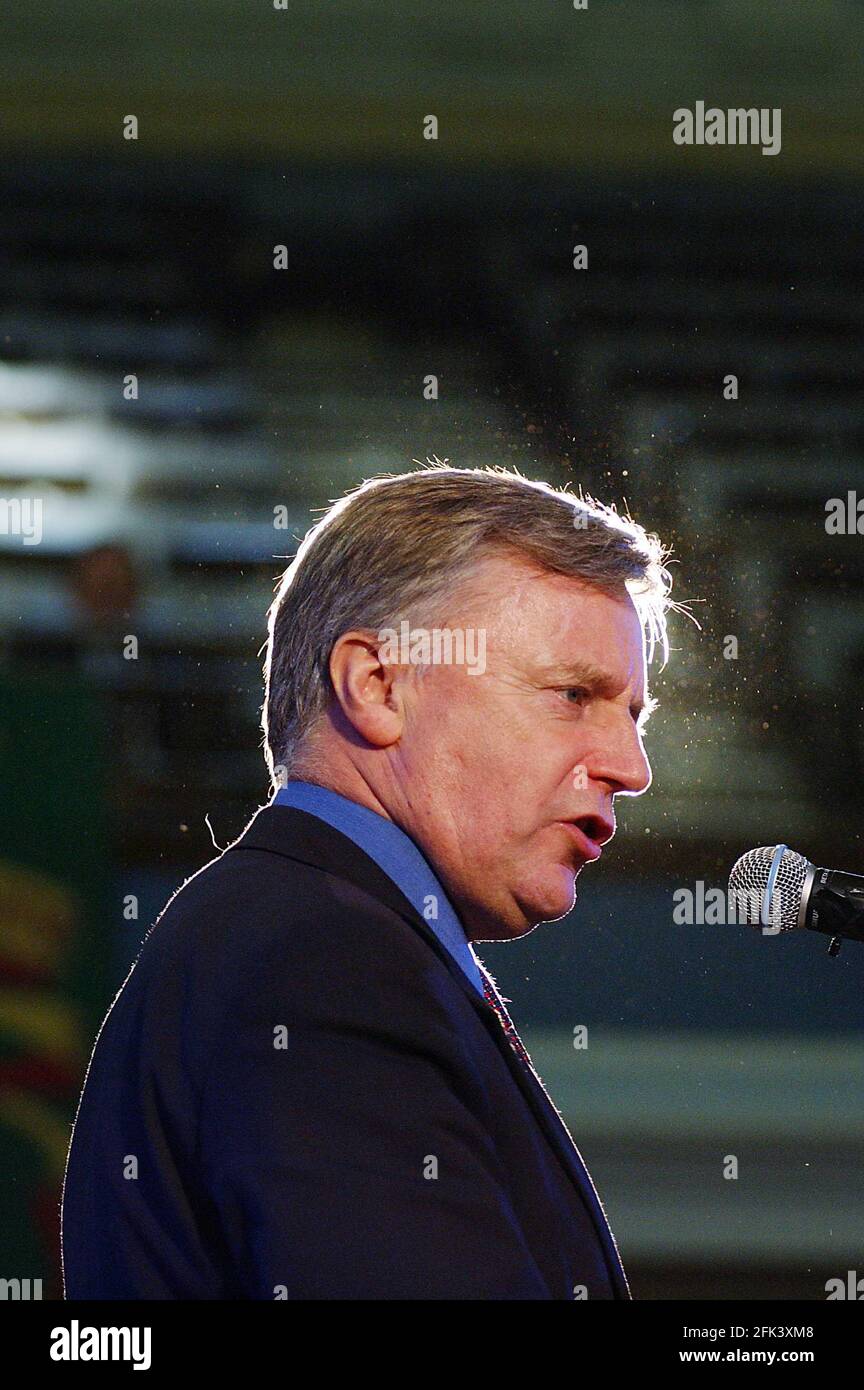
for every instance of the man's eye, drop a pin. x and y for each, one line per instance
(576, 694)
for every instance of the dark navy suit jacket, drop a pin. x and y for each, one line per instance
(298, 1094)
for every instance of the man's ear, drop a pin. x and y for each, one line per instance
(367, 689)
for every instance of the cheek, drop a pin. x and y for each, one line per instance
(458, 714)
(450, 739)
(498, 753)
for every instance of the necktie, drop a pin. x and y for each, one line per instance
(493, 997)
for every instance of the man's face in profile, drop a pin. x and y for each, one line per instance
(511, 773)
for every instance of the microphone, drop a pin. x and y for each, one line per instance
(778, 890)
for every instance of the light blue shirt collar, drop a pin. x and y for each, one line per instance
(398, 856)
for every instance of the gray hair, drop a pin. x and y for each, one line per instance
(397, 546)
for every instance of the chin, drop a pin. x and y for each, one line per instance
(553, 901)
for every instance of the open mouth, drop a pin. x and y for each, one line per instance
(589, 833)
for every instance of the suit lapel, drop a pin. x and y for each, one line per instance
(565, 1145)
(301, 836)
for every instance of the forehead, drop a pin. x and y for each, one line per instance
(538, 620)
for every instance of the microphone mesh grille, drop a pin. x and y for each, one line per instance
(749, 879)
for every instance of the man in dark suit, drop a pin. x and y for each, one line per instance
(308, 1086)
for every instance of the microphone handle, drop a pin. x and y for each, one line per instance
(834, 904)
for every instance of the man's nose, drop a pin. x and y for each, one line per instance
(621, 761)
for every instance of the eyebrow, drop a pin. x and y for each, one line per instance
(599, 682)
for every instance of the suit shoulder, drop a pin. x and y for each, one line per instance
(256, 923)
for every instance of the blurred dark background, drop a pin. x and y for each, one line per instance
(178, 407)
